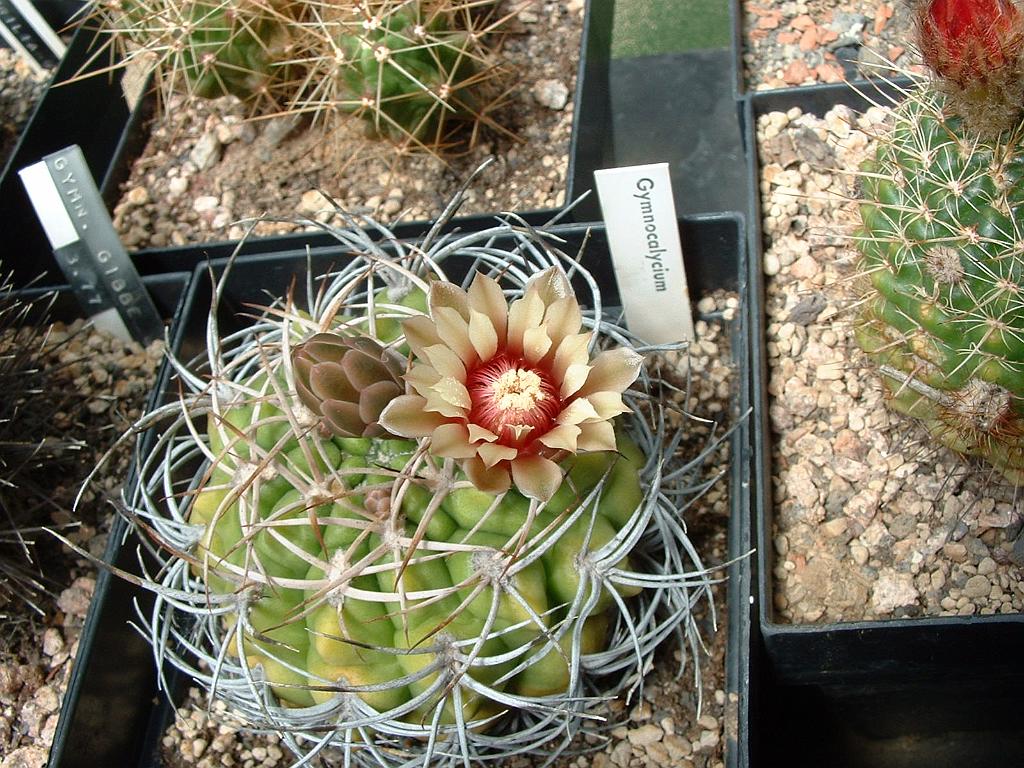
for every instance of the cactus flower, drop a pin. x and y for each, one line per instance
(967, 41)
(347, 381)
(507, 390)
(975, 48)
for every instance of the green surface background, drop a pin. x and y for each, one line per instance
(649, 27)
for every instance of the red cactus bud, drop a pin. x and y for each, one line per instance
(970, 42)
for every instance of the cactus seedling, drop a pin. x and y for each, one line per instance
(470, 583)
(941, 238)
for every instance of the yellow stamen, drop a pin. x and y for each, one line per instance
(517, 390)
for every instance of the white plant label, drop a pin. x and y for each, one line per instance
(26, 32)
(643, 237)
(86, 247)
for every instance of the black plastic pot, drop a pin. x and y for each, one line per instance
(121, 689)
(903, 692)
(94, 113)
(676, 107)
(111, 671)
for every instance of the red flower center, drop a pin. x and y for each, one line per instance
(514, 400)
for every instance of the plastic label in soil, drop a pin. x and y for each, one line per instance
(96, 265)
(24, 30)
(643, 239)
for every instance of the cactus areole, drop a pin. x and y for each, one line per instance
(425, 518)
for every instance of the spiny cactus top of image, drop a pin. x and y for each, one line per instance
(414, 70)
(975, 48)
(943, 246)
(421, 518)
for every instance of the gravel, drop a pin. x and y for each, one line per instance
(872, 520)
(21, 86)
(207, 169)
(37, 652)
(822, 41)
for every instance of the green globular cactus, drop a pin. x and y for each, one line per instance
(418, 71)
(207, 48)
(941, 241)
(232, 50)
(408, 70)
(395, 557)
(496, 553)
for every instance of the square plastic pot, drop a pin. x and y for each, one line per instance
(94, 113)
(110, 671)
(900, 692)
(122, 690)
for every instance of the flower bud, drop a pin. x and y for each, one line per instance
(347, 381)
(975, 48)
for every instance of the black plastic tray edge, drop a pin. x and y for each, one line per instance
(91, 113)
(741, 665)
(124, 137)
(738, 42)
(72, 739)
(895, 651)
(144, 750)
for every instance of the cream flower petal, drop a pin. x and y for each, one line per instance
(563, 319)
(613, 370)
(488, 479)
(572, 350)
(420, 333)
(445, 294)
(562, 438)
(577, 412)
(536, 477)
(486, 297)
(421, 378)
(446, 362)
(478, 434)
(597, 436)
(407, 416)
(550, 285)
(524, 313)
(453, 391)
(607, 404)
(492, 453)
(482, 334)
(437, 402)
(454, 331)
(573, 379)
(536, 343)
(519, 431)
(451, 441)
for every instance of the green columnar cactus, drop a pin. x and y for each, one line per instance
(941, 241)
(498, 549)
